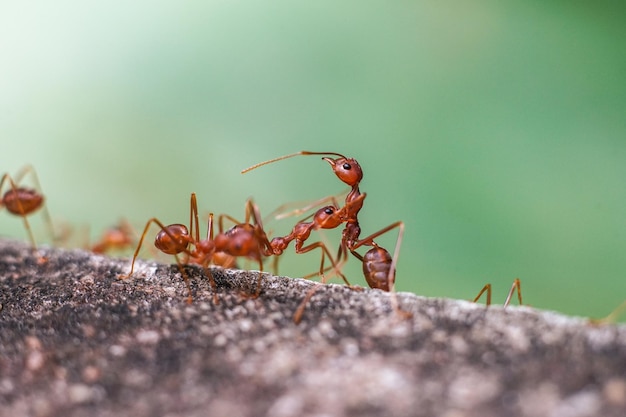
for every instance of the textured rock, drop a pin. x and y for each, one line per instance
(77, 341)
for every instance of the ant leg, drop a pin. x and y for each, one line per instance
(517, 285)
(45, 213)
(369, 240)
(379, 255)
(304, 207)
(20, 210)
(487, 289)
(177, 243)
(193, 216)
(325, 252)
(611, 317)
(297, 315)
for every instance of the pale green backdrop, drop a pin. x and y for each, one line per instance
(495, 130)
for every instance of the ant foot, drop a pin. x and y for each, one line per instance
(403, 314)
(249, 296)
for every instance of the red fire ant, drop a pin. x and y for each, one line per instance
(243, 239)
(517, 286)
(378, 265)
(118, 237)
(22, 201)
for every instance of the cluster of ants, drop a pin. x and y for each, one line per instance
(249, 239)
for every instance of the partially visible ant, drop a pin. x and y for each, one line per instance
(516, 287)
(22, 201)
(611, 318)
(119, 237)
(379, 267)
(243, 239)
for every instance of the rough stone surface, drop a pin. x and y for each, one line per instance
(77, 341)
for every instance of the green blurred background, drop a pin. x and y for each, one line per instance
(496, 131)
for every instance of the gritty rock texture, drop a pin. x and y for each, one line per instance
(77, 341)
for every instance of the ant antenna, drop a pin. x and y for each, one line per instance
(280, 158)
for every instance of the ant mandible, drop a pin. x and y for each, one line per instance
(22, 201)
(243, 239)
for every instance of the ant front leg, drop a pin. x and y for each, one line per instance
(325, 252)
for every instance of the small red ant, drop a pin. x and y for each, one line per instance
(119, 237)
(22, 201)
(243, 239)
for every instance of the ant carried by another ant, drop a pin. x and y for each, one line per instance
(379, 267)
(242, 240)
(22, 202)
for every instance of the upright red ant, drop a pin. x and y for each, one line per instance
(22, 201)
(517, 286)
(243, 239)
(378, 265)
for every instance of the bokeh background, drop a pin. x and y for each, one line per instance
(495, 131)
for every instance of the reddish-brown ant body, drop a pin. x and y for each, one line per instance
(243, 239)
(22, 201)
(379, 266)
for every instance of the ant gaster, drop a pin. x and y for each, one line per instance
(22, 201)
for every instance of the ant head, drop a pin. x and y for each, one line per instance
(173, 239)
(327, 217)
(347, 170)
(21, 201)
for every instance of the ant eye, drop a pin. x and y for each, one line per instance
(347, 166)
(329, 210)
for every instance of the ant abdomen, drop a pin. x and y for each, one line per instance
(22, 201)
(173, 239)
(376, 265)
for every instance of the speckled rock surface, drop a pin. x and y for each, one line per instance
(77, 341)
